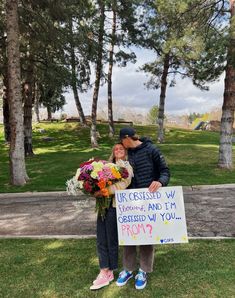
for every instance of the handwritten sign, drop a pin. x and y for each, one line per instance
(151, 218)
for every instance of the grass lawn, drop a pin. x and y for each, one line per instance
(66, 268)
(192, 156)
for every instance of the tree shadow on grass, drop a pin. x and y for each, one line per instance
(66, 268)
(191, 156)
(51, 268)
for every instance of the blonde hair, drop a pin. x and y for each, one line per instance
(112, 157)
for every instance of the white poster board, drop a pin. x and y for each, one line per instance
(151, 218)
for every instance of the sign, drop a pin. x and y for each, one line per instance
(145, 217)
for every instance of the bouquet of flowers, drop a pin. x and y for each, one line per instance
(94, 175)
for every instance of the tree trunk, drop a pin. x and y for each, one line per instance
(161, 113)
(49, 113)
(93, 131)
(6, 114)
(228, 109)
(110, 71)
(74, 78)
(28, 105)
(79, 106)
(28, 144)
(17, 158)
(36, 102)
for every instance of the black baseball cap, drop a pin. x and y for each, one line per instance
(126, 132)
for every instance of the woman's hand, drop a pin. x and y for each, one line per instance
(101, 193)
(154, 186)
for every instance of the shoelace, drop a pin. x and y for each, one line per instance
(123, 274)
(140, 276)
(102, 275)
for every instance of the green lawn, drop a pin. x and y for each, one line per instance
(66, 268)
(192, 156)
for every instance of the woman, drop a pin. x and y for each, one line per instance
(107, 237)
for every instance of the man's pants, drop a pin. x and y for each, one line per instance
(146, 257)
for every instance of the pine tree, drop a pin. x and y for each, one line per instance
(110, 69)
(17, 160)
(177, 32)
(3, 74)
(228, 109)
(121, 37)
(98, 73)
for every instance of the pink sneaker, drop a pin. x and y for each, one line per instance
(110, 275)
(102, 280)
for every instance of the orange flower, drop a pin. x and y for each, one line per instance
(105, 192)
(102, 183)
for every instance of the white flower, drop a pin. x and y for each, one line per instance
(73, 186)
(78, 173)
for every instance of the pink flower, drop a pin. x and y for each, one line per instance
(105, 173)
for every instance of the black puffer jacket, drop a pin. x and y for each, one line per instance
(148, 165)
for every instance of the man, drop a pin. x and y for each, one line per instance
(150, 170)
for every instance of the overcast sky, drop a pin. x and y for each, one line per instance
(129, 92)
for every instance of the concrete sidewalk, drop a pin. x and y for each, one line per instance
(210, 212)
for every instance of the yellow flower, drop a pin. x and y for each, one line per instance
(116, 174)
(97, 166)
(94, 174)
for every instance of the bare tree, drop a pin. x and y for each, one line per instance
(17, 158)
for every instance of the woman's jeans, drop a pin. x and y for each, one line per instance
(146, 257)
(107, 240)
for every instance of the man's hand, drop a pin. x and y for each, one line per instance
(154, 186)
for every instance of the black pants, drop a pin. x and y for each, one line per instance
(107, 240)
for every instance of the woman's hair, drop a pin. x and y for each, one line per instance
(112, 157)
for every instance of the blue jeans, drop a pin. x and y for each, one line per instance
(107, 240)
